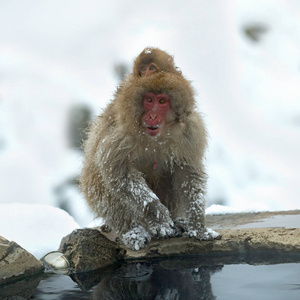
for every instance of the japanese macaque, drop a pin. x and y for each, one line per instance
(143, 169)
(153, 60)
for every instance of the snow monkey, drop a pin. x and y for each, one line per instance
(143, 168)
(152, 60)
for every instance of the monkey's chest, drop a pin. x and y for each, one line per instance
(153, 171)
(151, 168)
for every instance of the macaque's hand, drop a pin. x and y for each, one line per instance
(136, 238)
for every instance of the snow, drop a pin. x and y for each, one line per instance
(217, 209)
(54, 55)
(35, 227)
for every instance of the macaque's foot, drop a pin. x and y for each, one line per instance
(181, 226)
(136, 238)
(205, 234)
(160, 223)
(163, 230)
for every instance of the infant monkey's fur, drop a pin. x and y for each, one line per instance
(148, 186)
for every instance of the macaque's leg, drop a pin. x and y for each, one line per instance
(189, 189)
(137, 213)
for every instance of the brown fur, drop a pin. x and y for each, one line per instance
(161, 59)
(118, 178)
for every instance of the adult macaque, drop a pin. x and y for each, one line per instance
(153, 60)
(143, 170)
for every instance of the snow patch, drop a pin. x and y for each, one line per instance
(35, 227)
(217, 209)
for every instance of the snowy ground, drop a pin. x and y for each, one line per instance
(37, 228)
(58, 54)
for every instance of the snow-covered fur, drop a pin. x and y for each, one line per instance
(145, 186)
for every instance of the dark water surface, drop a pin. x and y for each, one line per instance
(178, 279)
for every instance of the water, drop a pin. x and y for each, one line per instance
(265, 282)
(193, 278)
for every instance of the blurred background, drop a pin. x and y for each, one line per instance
(61, 62)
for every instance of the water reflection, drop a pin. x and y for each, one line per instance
(155, 280)
(225, 277)
(21, 289)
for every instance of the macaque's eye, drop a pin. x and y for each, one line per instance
(152, 68)
(162, 101)
(143, 68)
(149, 99)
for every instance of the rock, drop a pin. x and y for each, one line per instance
(16, 262)
(20, 272)
(87, 249)
(240, 241)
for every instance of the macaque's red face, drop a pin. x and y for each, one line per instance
(146, 70)
(157, 108)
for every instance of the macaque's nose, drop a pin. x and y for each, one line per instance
(147, 72)
(153, 112)
(153, 115)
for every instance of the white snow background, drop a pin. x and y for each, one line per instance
(58, 54)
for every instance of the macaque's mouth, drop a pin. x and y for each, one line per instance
(153, 127)
(153, 130)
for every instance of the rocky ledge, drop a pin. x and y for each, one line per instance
(283, 240)
(276, 233)
(90, 249)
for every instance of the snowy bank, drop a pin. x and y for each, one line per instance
(37, 228)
